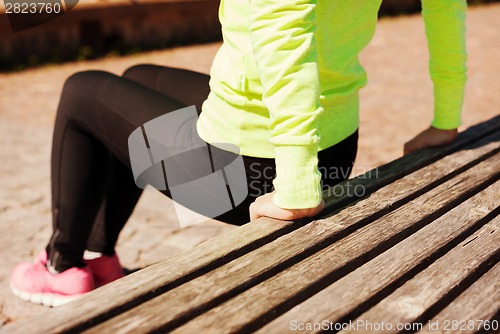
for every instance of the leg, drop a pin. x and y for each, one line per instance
(121, 196)
(336, 162)
(187, 87)
(121, 193)
(97, 113)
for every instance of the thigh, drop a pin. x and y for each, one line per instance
(185, 86)
(167, 152)
(109, 108)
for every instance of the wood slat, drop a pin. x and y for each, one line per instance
(400, 167)
(133, 289)
(236, 276)
(211, 254)
(307, 277)
(435, 284)
(481, 301)
(370, 282)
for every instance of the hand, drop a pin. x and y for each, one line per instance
(430, 138)
(265, 207)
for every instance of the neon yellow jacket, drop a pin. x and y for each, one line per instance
(285, 81)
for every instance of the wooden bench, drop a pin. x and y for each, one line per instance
(417, 252)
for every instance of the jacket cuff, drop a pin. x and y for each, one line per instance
(447, 107)
(298, 181)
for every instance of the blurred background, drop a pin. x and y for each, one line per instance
(97, 28)
(112, 35)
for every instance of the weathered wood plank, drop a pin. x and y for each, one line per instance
(436, 284)
(375, 179)
(479, 302)
(202, 293)
(133, 289)
(211, 254)
(370, 282)
(290, 287)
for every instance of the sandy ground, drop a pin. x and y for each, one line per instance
(396, 104)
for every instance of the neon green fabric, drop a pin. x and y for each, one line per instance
(285, 81)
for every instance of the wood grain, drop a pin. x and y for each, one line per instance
(131, 291)
(300, 281)
(475, 136)
(433, 285)
(479, 302)
(238, 275)
(371, 282)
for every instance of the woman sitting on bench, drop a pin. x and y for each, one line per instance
(283, 89)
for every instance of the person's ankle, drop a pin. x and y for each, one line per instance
(51, 269)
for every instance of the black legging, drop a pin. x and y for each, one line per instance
(93, 190)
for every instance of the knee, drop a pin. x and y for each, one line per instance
(83, 82)
(138, 71)
(80, 92)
